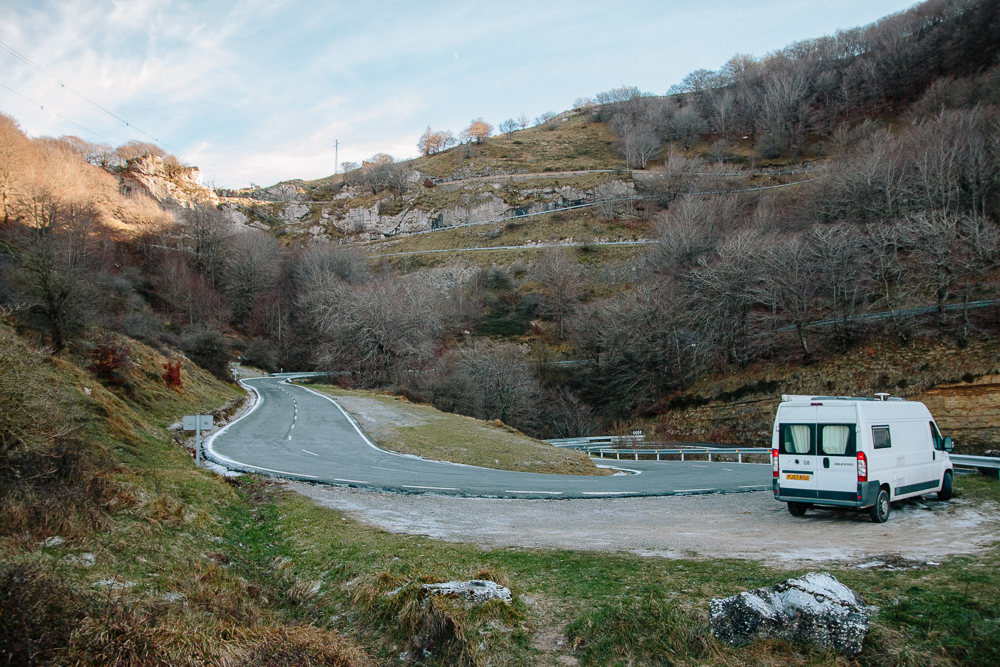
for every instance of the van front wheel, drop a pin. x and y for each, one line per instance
(945, 492)
(879, 512)
(797, 509)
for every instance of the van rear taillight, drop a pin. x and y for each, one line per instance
(862, 467)
(774, 462)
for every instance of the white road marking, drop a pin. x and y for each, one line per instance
(551, 493)
(605, 493)
(351, 481)
(755, 486)
(308, 452)
(289, 437)
(699, 466)
(436, 488)
(690, 490)
(728, 469)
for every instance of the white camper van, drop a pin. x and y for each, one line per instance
(840, 451)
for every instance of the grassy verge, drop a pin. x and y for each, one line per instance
(422, 430)
(114, 550)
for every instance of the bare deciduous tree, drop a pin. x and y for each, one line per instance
(562, 285)
(252, 268)
(378, 330)
(509, 127)
(432, 142)
(722, 296)
(479, 131)
(505, 387)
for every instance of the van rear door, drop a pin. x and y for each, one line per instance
(797, 453)
(837, 460)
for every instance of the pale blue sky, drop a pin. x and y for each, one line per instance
(257, 91)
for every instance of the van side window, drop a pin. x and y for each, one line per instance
(837, 440)
(880, 437)
(936, 437)
(798, 439)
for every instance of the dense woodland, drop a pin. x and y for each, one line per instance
(899, 120)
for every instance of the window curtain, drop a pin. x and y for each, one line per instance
(835, 439)
(800, 438)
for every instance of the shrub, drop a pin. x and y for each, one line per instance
(210, 350)
(109, 360)
(172, 375)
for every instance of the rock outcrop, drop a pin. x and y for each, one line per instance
(176, 190)
(815, 609)
(475, 591)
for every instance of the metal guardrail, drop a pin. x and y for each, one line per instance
(965, 461)
(603, 446)
(635, 453)
(583, 442)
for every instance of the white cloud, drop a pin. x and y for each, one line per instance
(260, 89)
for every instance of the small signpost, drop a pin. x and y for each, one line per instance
(197, 423)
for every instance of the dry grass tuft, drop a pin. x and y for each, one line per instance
(50, 482)
(45, 621)
(455, 632)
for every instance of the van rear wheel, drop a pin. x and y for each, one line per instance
(945, 492)
(879, 512)
(797, 509)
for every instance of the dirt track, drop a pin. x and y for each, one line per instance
(746, 525)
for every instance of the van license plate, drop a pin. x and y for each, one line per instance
(802, 477)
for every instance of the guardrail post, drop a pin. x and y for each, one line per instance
(709, 455)
(682, 455)
(618, 455)
(739, 456)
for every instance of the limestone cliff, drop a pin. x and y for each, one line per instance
(176, 189)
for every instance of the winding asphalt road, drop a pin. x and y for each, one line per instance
(295, 432)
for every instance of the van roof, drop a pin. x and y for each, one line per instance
(795, 398)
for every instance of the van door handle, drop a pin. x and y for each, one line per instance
(826, 462)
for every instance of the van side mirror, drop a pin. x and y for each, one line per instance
(949, 444)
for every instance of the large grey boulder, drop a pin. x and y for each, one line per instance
(815, 609)
(475, 591)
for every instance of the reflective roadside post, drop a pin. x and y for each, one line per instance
(196, 423)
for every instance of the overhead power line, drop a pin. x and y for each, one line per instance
(42, 107)
(42, 70)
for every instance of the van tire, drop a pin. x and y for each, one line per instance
(945, 492)
(797, 509)
(879, 512)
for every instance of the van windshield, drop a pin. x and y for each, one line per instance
(798, 438)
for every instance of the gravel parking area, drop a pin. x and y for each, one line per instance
(742, 525)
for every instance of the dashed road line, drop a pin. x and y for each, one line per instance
(308, 452)
(549, 493)
(434, 488)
